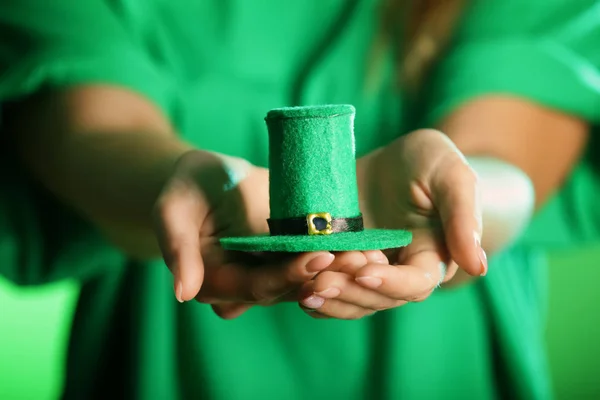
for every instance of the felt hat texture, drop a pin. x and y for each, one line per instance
(313, 189)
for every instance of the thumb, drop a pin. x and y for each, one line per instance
(178, 217)
(456, 195)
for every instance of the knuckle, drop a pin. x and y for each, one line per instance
(168, 206)
(359, 258)
(161, 209)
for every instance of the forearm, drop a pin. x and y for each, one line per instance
(104, 151)
(112, 178)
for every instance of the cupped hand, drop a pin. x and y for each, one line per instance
(358, 284)
(209, 196)
(334, 293)
(423, 183)
(420, 182)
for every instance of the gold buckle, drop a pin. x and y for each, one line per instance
(313, 226)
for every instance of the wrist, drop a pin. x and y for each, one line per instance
(212, 173)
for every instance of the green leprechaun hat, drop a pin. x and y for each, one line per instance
(313, 188)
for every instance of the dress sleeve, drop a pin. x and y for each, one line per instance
(545, 51)
(60, 43)
(48, 45)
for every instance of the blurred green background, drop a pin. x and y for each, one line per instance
(34, 332)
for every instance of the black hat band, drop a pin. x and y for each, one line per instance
(314, 224)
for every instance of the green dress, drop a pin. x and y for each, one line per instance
(215, 67)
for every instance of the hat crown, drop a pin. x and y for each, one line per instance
(312, 165)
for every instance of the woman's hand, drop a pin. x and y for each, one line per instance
(210, 196)
(334, 293)
(419, 182)
(423, 183)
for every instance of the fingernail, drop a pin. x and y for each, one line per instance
(329, 293)
(313, 302)
(319, 263)
(179, 292)
(369, 281)
(482, 256)
(483, 260)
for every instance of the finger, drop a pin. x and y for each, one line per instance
(317, 307)
(178, 217)
(412, 282)
(339, 310)
(455, 194)
(348, 261)
(451, 272)
(268, 284)
(343, 287)
(236, 282)
(375, 257)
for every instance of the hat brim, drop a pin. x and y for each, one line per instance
(370, 239)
